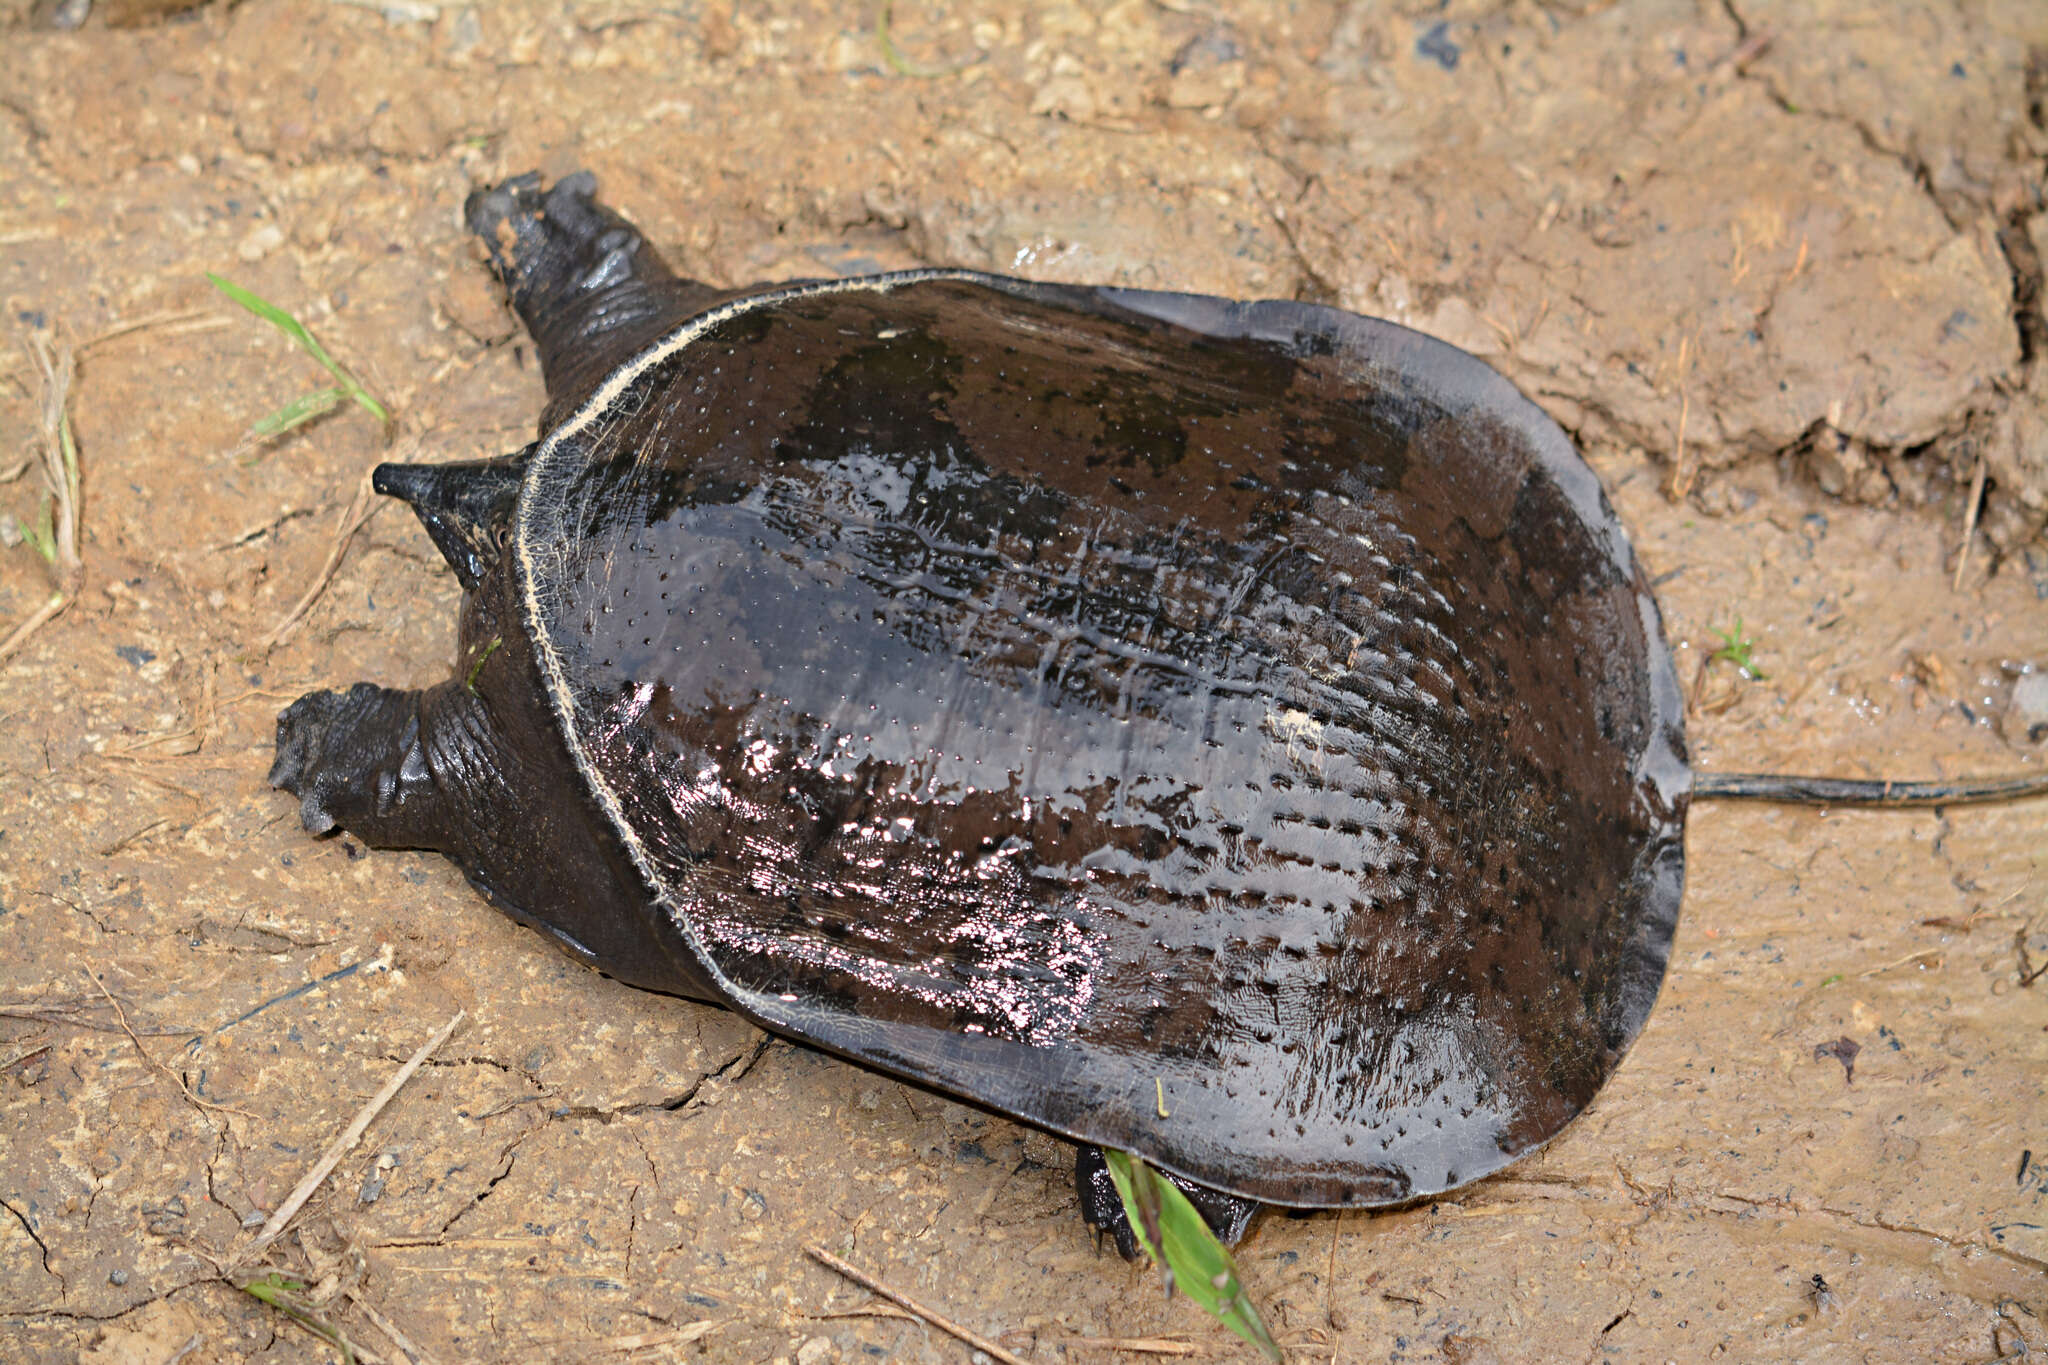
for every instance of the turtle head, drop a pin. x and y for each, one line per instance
(466, 506)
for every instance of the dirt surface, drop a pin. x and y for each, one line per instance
(1780, 276)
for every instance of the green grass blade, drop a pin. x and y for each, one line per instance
(1737, 648)
(298, 412)
(282, 1293)
(276, 317)
(296, 330)
(893, 55)
(1174, 1234)
(476, 669)
(42, 535)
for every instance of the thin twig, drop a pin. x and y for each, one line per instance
(1680, 482)
(155, 1065)
(1924, 955)
(18, 1058)
(637, 1341)
(870, 1309)
(1144, 1346)
(261, 529)
(946, 1325)
(43, 1015)
(391, 1330)
(46, 613)
(191, 320)
(339, 1148)
(1970, 507)
(361, 508)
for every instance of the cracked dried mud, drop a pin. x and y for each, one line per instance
(1779, 273)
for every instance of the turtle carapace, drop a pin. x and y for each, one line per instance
(1235, 733)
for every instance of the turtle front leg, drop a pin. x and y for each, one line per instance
(478, 775)
(1227, 1215)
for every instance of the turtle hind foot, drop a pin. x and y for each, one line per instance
(354, 760)
(1229, 1216)
(548, 244)
(588, 285)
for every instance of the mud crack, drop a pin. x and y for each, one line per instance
(734, 1068)
(64, 1290)
(507, 1158)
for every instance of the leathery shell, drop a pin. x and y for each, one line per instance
(1236, 733)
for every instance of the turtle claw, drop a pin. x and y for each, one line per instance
(1229, 1216)
(545, 243)
(1102, 1208)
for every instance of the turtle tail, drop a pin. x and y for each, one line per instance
(590, 288)
(465, 505)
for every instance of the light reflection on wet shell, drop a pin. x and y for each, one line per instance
(1070, 709)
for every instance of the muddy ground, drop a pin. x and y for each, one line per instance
(1780, 274)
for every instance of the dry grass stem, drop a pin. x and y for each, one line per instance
(59, 461)
(872, 1309)
(1970, 506)
(339, 1148)
(364, 505)
(155, 1065)
(42, 616)
(946, 1325)
(406, 1345)
(176, 323)
(1680, 482)
(1929, 955)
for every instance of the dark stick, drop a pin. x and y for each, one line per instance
(1845, 791)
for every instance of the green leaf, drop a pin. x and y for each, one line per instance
(1174, 1234)
(1736, 648)
(296, 330)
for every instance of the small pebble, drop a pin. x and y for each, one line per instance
(2028, 708)
(117, 1277)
